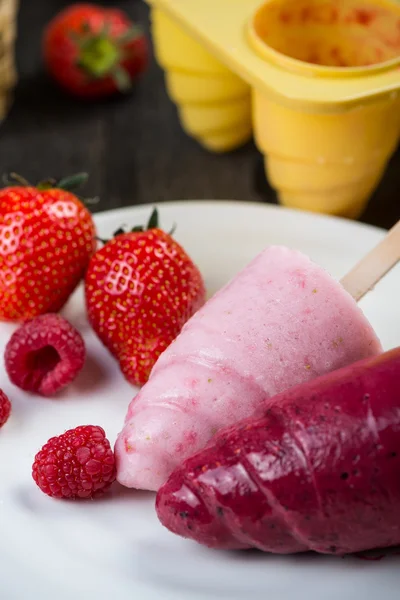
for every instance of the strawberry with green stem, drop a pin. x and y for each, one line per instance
(47, 237)
(141, 287)
(92, 51)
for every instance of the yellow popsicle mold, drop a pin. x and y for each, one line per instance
(325, 79)
(213, 103)
(197, 89)
(326, 162)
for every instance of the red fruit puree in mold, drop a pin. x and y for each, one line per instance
(334, 33)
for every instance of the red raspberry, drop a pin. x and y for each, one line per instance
(77, 464)
(5, 408)
(44, 355)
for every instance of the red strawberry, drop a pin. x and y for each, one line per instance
(141, 288)
(92, 51)
(47, 238)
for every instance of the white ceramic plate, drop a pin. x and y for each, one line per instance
(115, 548)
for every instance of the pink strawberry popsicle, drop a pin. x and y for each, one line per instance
(317, 469)
(280, 322)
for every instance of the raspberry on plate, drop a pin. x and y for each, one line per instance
(5, 408)
(77, 464)
(44, 355)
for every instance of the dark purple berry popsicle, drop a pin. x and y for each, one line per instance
(318, 469)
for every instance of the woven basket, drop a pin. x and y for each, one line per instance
(8, 74)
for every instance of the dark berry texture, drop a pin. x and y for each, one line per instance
(317, 470)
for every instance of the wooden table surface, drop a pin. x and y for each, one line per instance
(134, 148)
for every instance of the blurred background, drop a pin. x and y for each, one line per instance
(133, 147)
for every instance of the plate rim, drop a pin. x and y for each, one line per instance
(274, 208)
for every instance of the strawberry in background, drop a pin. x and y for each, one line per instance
(47, 237)
(93, 51)
(141, 287)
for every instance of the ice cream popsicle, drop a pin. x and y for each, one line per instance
(282, 321)
(317, 469)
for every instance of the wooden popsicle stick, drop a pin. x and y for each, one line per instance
(374, 266)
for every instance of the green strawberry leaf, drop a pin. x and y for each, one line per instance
(119, 231)
(153, 221)
(72, 182)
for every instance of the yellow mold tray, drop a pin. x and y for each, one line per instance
(315, 81)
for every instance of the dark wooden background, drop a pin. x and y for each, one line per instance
(133, 148)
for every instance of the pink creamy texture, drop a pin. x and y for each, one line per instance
(280, 322)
